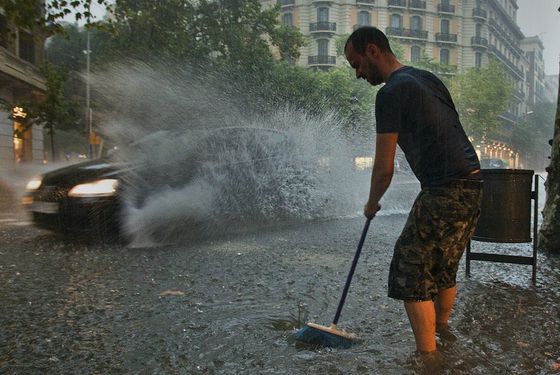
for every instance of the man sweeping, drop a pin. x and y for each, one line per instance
(414, 110)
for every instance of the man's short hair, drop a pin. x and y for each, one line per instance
(365, 35)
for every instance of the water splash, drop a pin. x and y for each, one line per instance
(312, 177)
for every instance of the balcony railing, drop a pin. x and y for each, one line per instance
(369, 2)
(480, 13)
(446, 8)
(479, 41)
(322, 26)
(510, 116)
(397, 3)
(506, 61)
(416, 4)
(286, 2)
(445, 37)
(407, 33)
(519, 94)
(512, 44)
(321, 60)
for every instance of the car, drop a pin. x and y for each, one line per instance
(230, 175)
(493, 164)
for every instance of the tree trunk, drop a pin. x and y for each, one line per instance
(549, 234)
(52, 145)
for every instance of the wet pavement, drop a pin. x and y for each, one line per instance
(233, 305)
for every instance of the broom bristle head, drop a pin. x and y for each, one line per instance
(315, 334)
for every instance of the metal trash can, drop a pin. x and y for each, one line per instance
(505, 215)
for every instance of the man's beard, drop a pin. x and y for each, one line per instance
(374, 76)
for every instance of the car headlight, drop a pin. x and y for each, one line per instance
(34, 183)
(99, 188)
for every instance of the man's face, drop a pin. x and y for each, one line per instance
(365, 68)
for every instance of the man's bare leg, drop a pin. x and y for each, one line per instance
(443, 304)
(422, 317)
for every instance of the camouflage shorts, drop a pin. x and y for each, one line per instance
(428, 251)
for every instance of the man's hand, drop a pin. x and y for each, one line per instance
(371, 209)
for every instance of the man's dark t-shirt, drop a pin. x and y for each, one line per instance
(418, 106)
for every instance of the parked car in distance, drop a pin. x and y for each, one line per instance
(493, 164)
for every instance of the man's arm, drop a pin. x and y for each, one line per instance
(382, 171)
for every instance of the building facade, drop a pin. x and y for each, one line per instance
(20, 79)
(533, 49)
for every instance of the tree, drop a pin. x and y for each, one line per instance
(531, 134)
(69, 50)
(549, 233)
(52, 113)
(38, 20)
(481, 95)
(205, 31)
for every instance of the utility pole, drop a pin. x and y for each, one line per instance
(88, 109)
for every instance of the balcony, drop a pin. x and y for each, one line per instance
(446, 8)
(321, 60)
(480, 13)
(285, 3)
(510, 117)
(366, 2)
(477, 41)
(519, 95)
(397, 3)
(317, 27)
(446, 38)
(506, 61)
(417, 4)
(407, 33)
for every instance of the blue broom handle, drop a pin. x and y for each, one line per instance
(352, 269)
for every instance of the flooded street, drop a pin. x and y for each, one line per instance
(233, 305)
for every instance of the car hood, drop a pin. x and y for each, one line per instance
(84, 172)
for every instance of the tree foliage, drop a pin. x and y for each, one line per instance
(481, 95)
(532, 133)
(236, 31)
(43, 21)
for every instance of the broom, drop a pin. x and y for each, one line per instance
(331, 336)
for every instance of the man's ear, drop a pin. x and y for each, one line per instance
(372, 50)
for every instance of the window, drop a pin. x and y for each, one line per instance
(323, 15)
(444, 56)
(364, 18)
(26, 47)
(3, 30)
(415, 23)
(323, 47)
(445, 29)
(415, 53)
(396, 21)
(287, 19)
(478, 60)
(445, 2)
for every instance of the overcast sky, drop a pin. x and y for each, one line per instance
(541, 18)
